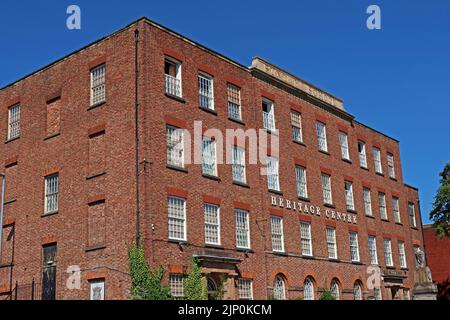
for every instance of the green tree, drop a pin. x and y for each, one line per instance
(440, 213)
(327, 295)
(145, 283)
(194, 286)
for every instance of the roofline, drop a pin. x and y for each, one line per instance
(379, 132)
(411, 187)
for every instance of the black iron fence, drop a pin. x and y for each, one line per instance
(30, 291)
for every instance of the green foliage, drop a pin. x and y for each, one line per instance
(194, 286)
(440, 213)
(145, 283)
(326, 295)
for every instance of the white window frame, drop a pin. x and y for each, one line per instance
(245, 289)
(306, 239)
(402, 254)
(209, 156)
(376, 152)
(308, 289)
(234, 102)
(354, 246)
(14, 122)
(242, 221)
(212, 228)
(362, 154)
(335, 289)
(357, 291)
(94, 283)
(326, 189)
(175, 146)
(268, 116)
(396, 210)
(321, 129)
(296, 123)
(391, 166)
(273, 178)
(98, 84)
(343, 141)
(372, 245)
(238, 164)
(279, 288)
(176, 285)
(206, 90)
(367, 199)
(382, 206)
(349, 199)
(51, 189)
(331, 243)
(174, 217)
(174, 84)
(387, 245)
(302, 184)
(276, 228)
(412, 214)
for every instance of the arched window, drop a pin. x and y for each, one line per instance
(357, 291)
(308, 292)
(335, 291)
(279, 288)
(212, 289)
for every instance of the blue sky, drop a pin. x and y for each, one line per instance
(395, 80)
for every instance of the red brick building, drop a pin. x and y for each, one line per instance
(333, 203)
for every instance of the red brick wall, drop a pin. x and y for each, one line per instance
(438, 254)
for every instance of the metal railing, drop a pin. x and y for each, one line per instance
(268, 121)
(30, 291)
(173, 85)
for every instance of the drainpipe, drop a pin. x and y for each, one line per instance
(136, 133)
(2, 205)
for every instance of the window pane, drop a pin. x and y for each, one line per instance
(306, 241)
(238, 164)
(234, 102)
(322, 136)
(212, 224)
(14, 122)
(98, 88)
(242, 229)
(177, 218)
(175, 146)
(300, 175)
(272, 174)
(277, 234)
(205, 91)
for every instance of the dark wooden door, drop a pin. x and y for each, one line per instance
(49, 272)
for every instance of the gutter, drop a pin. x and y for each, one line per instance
(136, 133)
(2, 206)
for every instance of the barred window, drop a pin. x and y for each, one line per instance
(277, 234)
(300, 176)
(343, 141)
(377, 293)
(212, 224)
(322, 136)
(209, 161)
(305, 237)
(242, 229)
(335, 290)
(175, 146)
(377, 160)
(412, 214)
(308, 291)
(51, 193)
(172, 73)
(272, 174)
(362, 154)
(176, 286)
(279, 289)
(402, 254)
(388, 253)
(177, 218)
(234, 102)
(14, 122)
(354, 247)
(331, 243)
(238, 164)
(373, 250)
(296, 122)
(98, 86)
(357, 291)
(367, 202)
(206, 91)
(382, 205)
(326, 189)
(390, 162)
(396, 210)
(245, 288)
(349, 201)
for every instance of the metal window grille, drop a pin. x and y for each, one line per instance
(209, 164)
(212, 224)
(300, 176)
(391, 169)
(176, 286)
(362, 154)
(177, 218)
(326, 189)
(234, 102)
(377, 160)
(51, 194)
(357, 291)
(279, 289)
(296, 122)
(14, 122)
(322, 136)
(349, 196)
(245, 288)
(343, 141)
(173, 78)
(175, 146)
(98, 86)
(335, 290)
(354, 248)
(373, 250)
(242, 229)
(331, 243)
(206, 91)
(412, 214)
(402, 254)
(396, 210)
(305, 237)
(308, 291)
(272, 174)
(382, 205)
(268, 115)
(277, 234)
(238, 164)
(367, 202)
(388, 252)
